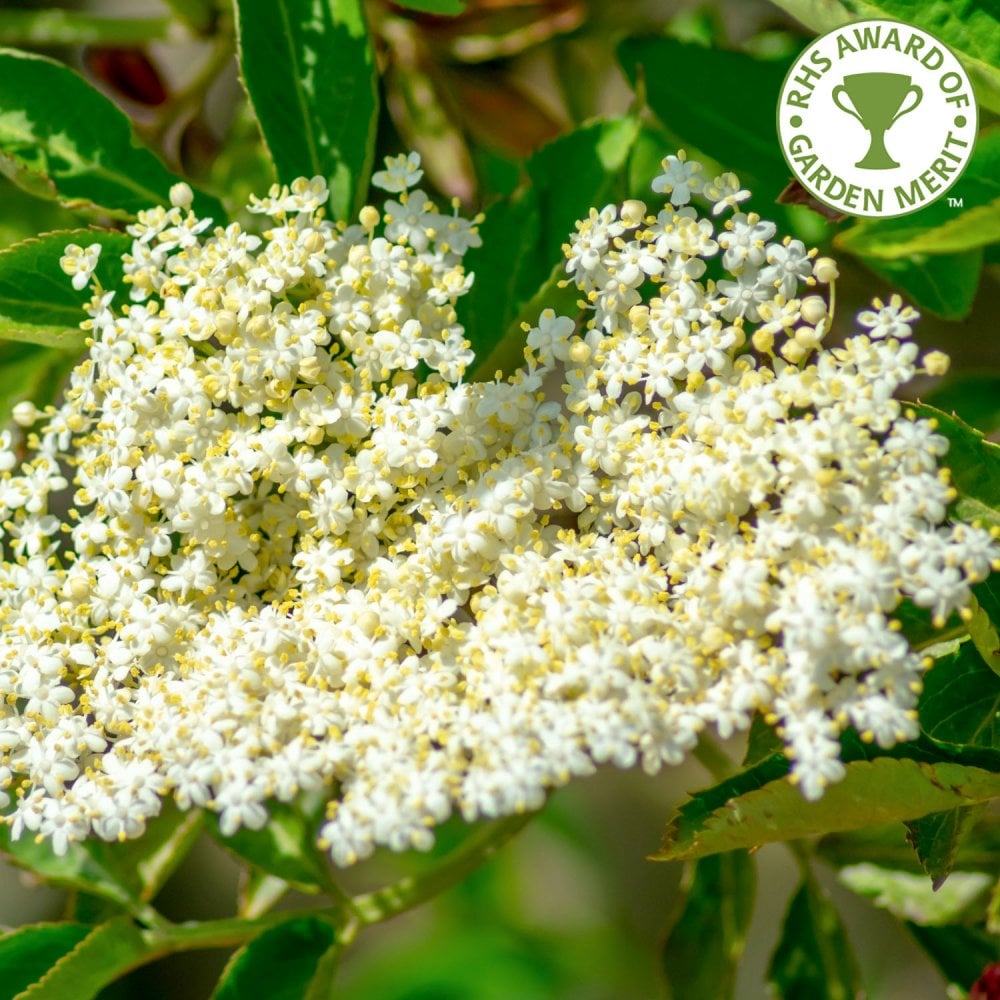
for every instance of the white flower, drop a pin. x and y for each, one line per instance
(891, 319)
(401, 173)
(679, 179)
(80, 263)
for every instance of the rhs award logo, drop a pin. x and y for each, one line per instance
(877, 118)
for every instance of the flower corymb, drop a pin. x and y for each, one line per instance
(273, 541)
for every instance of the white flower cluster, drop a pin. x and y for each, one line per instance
(295, 551)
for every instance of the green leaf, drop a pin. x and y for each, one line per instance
(936, 836)
(759, 806)
(961, 953)
(960, 702)
(38, 303)
(520, 263)
(741, 134)
(703, 949)
(993, 910)
(309, 70)
(100, 958)
(972, 396)
(944, 284)
(886, 846)
(449, 7)
(813, 960)
(27, 953)
(279, 963)
(27, 371)
(911, 897)
(285, 847)
(974, 464)
(258, 891)
(969, 27)
(63, 140)
(940, 228)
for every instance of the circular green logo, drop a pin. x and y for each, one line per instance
(877, 118)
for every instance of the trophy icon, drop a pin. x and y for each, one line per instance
(877, 100)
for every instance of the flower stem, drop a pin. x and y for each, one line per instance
(68, 27)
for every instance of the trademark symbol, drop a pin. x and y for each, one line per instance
(955, 202)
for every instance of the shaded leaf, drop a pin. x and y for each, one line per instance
(961, 953)
(936, 837)
(984, 621)
(762, 742)
(739, 134)
(285, 847)
(702, 952)
(940, 228)
(108, 951)
(993, 910)
(911, 897)
(277, 964)
(960, 702)
(38, 304)
(63, 140)
(523, 237)
(813, 960)
(145, 863)
(944, 284)
(886, 846)
(309, 70)
(29, 371)
(759, 806)
(29, 952)
(974, 464)
(258, 891)
(971, 396)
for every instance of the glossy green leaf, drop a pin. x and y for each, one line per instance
(940, 228)
(936, 837)
(969, 27)
(910, 897)
(63, 140)
(285, 847)
(974, 464)
(813, 960)
(961, 953)
(887, 847)
(38, 303)
(278, 964)
(740, 134)
(944, 284)
(108, 951)
(960, 702)
(522, 236)
(972, 396)
(309, 70)
(29, 952)
(703, 948)
(759, 806)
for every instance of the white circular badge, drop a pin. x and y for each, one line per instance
(877, 118)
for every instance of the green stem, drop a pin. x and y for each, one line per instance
(391, 900)
(30, 28)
